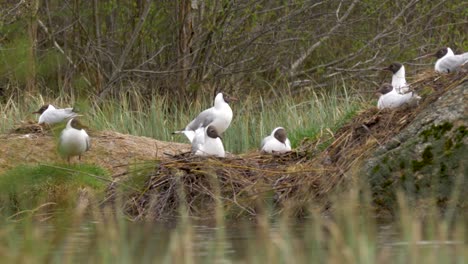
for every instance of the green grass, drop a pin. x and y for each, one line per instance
(348, 233)
(26, 187)
(310, 115)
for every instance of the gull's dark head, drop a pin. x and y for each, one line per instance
(394, 67)
(227, 98)
(280, 135)
(441, 52)
(212, 132)
(76, 124)
(42, 109)
(384, 89)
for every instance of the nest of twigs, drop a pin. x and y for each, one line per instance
(244, 185)
(295, 180)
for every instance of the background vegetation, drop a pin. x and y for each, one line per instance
(147, 67)
(193, 47)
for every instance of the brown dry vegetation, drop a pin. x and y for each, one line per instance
(294, 180)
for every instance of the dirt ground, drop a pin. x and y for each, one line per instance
(29, 144)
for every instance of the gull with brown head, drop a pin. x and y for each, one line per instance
(207, 142)
(73, 141)
(51, 115)
(448, 61)
(277, 142)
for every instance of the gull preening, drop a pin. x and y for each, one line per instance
(398, 77)
(207, 142)
(219, 116)
(51, 115)
(277, 142)
(449, 62)
(73, 141)
(390, 98)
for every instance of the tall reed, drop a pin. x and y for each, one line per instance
(254, 117)
(349, 233)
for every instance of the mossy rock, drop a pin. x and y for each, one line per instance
(58, 187)
(426, 159)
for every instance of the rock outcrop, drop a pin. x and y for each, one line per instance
(426, 160)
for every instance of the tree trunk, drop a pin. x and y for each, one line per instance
(186, 32)
(97, 32)
(31, 86)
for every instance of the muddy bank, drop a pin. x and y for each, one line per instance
(29, 144)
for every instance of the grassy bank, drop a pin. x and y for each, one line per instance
(254, 117)
(45, 188)
(348, 232)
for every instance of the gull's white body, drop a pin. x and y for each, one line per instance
(270, 144)
(53, 115)
(219, 116)
(203, 145)
(73, 142)
(451, 62)
(394, 99)
(399, 81)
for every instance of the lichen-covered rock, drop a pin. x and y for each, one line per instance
(426, 159)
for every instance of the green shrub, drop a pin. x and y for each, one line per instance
(26, 187)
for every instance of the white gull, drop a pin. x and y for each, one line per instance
(73, 141)
(449, 62)
(277, 142)
(390, 98)
(51, 115)
(398, 77)
(207, 142)
(219, 116)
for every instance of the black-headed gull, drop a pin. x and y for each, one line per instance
(398, 77)
(207, 142)
(51, 115)
(219, 116)
(390, 98)
(277, 142)
(449, 62)
(73, 141)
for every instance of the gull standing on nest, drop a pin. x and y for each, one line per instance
(219, 116)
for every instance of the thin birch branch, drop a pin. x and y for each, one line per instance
(57, 46)
(127, 49)
(306, 54)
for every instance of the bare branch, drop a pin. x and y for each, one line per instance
(126, 51)
(306, 54)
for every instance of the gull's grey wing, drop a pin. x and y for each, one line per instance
(68, 112)
(88, 143)
(57, 116)
(202, 120)
(454, 62)
(60, 144)
(198, 139)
